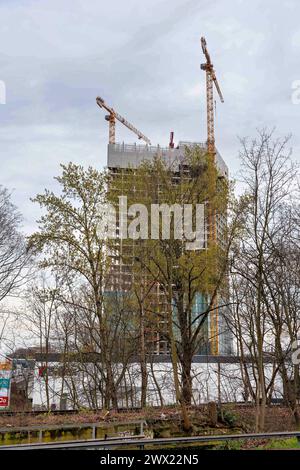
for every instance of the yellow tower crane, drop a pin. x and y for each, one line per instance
(210, 80)
(112, 117)
(211, 150)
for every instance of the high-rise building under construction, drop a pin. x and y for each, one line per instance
(121, 159)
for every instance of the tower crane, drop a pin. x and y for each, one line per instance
(112, 117)
(211, 150)
(210, 80)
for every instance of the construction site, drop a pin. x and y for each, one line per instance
(152, 302)
(123, 158)
(215, 364)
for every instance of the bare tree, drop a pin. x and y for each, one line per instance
(15, 260)
(75, 251)
(268, 175)
(14, 256)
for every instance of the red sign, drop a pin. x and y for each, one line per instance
(3, 402)
(42, 371)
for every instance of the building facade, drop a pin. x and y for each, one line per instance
(121, 159)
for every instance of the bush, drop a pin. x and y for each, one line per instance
(228, 417)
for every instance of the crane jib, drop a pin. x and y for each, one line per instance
(114, 115)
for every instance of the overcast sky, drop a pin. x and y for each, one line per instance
(143, 57)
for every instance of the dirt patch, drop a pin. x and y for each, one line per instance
(278, 418)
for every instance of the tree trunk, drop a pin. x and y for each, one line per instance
(143, 362)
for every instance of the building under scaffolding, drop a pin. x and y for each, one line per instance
(121, 159)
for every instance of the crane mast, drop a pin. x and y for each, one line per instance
(211, 80)
(112, 117)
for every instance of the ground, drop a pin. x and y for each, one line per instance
(237, 418)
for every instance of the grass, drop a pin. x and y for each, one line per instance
(272, 444)
(290, 443)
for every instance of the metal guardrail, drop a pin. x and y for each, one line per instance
(81, 443)
(140, 442)
(122, 147)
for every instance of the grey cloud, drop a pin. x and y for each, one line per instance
(144, 59)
